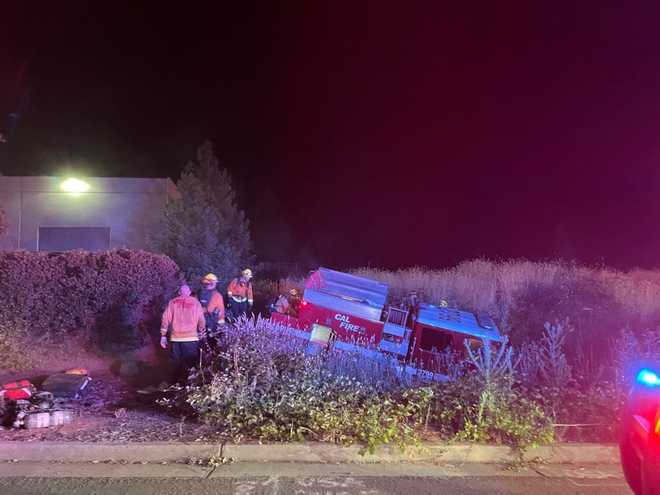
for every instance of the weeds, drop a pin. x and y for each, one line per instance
(522, 294)
(262, 386)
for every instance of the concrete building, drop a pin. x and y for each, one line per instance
(94, 213)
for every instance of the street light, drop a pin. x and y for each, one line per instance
(75, 186)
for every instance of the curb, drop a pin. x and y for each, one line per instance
(301, 453)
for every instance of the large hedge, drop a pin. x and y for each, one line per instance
(112, 298)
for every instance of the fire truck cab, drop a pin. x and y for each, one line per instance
(356, 314)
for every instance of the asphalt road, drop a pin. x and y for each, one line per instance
(313, 486)
(307, 479)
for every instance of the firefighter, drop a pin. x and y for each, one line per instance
(184, 315)
(287, 304)
(412, 303)
(212, 302)
(240, 294)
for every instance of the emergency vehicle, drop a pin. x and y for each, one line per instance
(356, 314)
(639, 441)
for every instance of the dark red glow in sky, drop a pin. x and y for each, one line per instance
(412, 134)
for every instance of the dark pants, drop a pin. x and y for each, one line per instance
(214, 331)
(211, 322)
(183, 357)
(238, 309)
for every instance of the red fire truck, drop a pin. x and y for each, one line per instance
(355, 314)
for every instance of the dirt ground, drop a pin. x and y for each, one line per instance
(110, 408)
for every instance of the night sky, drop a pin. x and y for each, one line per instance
(382, 133)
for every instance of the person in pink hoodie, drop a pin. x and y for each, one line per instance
(184, 320)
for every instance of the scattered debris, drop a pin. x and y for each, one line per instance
(77, 371)
(213, 461)
(66, 384)
(98, 416)
(24, 407)
(21, 389)
(41, 410)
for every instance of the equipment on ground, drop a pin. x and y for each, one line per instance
(66, 385)
(21, 405)
(18, 390)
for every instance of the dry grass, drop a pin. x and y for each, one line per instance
(498, 286)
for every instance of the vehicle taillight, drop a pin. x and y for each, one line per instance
(303, 303)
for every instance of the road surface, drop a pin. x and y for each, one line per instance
(307, 479)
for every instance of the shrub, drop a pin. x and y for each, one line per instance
(467, 409)
(584, 396)
(505, 416)
(482, 405)
(264, 387)
(112, 298)
(13, 348)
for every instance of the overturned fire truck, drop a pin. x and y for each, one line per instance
(355, 314)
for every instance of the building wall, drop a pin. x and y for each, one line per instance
(129, 207)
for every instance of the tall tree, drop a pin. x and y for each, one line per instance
(203, 230)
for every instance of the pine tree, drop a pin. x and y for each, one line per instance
(203, 230)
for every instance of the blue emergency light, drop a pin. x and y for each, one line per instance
(648, 377)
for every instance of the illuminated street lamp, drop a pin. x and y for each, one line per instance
(75, 186)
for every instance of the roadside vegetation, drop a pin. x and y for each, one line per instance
(262, 386)
(109, 302)
(522, 295)
(572, 333)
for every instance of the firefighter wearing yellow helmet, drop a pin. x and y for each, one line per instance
(241, 296)
(212, 302)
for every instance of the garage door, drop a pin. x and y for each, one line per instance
(67, 238)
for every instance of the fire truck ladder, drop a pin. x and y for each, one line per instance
(396, 335)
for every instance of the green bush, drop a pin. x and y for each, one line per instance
(318, 406)
(507, 417)
(111, 298)
(264, 387)
(465, 409)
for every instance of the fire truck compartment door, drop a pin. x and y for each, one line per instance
(320, 334)
(392, 329)
(341, 305)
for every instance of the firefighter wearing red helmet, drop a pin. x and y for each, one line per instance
(241, 296)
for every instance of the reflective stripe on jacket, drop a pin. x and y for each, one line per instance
(240, 290)
(186, 317)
